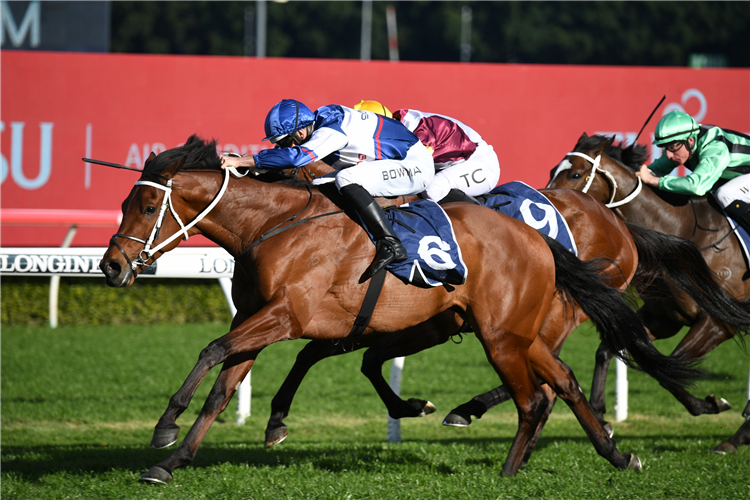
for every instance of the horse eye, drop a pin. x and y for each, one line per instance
(150, 210)
(574, 176)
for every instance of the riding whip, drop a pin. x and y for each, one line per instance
(649, 118)
(108, 164)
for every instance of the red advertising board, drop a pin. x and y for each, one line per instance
(60, 107)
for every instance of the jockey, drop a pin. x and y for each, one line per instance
(716, 157)
(371, 156)
(464, 162)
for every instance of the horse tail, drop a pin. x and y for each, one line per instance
(619, 326)
(686, 268)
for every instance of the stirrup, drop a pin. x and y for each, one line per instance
(385, 254)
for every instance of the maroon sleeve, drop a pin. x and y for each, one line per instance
(446, 139)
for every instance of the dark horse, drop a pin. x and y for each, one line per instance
(281, 295)
(665, 310)
(598, 234)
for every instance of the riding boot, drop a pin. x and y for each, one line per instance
(389, 247)
(739, 211)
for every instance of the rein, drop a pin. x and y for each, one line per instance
(278, 229)
(596, 168)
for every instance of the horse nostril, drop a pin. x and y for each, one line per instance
(111, 268)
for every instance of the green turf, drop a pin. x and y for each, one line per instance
(79, 405)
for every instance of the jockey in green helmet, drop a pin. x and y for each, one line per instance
(718, 158)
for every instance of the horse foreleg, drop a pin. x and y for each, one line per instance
(270, 325)
(742, 436)
(166, 431)
(561, 379)
(313, 352)
(404, 343)
(232, 374)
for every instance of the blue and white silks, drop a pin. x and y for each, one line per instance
(520, 201)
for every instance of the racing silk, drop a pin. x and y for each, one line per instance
(718, 154)
(343, 137)
(449, 139)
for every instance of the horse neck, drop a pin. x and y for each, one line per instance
(246, 210)
(649, 210)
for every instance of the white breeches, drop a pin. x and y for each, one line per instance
(736, 189)
(477, 175)
(388, 177)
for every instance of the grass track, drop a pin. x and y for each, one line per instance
(79, 406)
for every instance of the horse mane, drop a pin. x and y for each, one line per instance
(198, 153)
(632, 156)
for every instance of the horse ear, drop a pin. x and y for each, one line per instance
(603, 146)
(150, 158)
(172, 169)
(584, 137)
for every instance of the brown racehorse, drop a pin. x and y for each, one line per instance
(598, 233)
(297, 285)
(698, 219)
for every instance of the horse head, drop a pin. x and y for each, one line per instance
(154, 221)
(595, 166)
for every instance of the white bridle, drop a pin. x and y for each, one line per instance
(148, 252)
(595, 162)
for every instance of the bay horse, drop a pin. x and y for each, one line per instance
(298, 285)
(598, 234)
(666, 310)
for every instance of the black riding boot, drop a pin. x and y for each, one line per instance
(739, 211)
(458, 195)
(389, 247)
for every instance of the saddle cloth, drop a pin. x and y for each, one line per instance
(520, 201)
(427, 234)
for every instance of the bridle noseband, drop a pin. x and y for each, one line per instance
(596, 168)
(148, 252)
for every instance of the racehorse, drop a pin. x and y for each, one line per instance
(696, 218)
(598, 233)
(297, 285)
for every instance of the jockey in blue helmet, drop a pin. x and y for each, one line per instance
(371, 155)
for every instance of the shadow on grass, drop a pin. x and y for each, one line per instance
(33, 463)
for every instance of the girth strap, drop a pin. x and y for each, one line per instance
(368, 304)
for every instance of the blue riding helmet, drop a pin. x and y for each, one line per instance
(286, 117)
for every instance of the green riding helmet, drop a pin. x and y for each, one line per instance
(675, 126)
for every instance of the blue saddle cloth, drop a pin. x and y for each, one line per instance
(520, 201)
(427, 234)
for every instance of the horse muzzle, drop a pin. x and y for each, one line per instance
(117, 275)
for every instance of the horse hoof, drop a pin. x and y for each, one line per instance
(155, 475)
(456, 420)
(275, 436)
(721, 403)
(608, 429)
(424, 407)
(635, 463)
(723, 448)
(165, 436)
